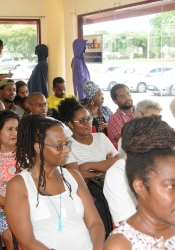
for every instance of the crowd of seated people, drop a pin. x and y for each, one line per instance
(57, 151)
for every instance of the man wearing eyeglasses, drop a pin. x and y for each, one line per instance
(38, 106)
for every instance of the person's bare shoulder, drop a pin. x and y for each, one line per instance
(17, 185)
(117, 242)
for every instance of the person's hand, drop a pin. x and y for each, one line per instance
(10, 74)
(109, 155)
(102, 127)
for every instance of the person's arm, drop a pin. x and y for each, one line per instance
(114, 128)
(85, 173)
(101, 166)
(91, 216)
(117, 137)
(17, 211)
(8, 75)
(117, 242)
(2, 199)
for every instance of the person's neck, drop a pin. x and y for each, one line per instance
(81, 138)
(49, 170)
(6, 149)
(145, 223)
(127, 111)
(8, 105)
(92, 108)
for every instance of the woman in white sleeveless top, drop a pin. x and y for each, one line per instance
(48, 207)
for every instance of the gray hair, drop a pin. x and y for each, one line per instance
(172, 106)
(146, 104)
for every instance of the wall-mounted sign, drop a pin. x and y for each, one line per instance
(94, 49)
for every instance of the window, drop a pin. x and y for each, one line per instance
(20, 38)
(141, 37)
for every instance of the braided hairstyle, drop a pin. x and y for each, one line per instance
(145, 140)
(32, 129)
(68, 107)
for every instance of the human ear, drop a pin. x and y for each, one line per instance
(139, 188)
(115, 102)
(70, 124)
(37, 148)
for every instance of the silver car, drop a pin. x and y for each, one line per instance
(162, 85)
(139, 80)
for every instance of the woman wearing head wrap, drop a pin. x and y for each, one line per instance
(95, 98)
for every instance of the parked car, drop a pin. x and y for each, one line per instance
(9, 64)
(138, 81)
(23, 72)
(164, 85)
(104, 74)
(119, 75)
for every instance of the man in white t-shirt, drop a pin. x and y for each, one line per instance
(121, 201)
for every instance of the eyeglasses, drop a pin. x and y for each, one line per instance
(40, 105)
(61, 146)
(85, 120)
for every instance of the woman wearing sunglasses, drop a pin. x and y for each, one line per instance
(47, 206)
(89, 152)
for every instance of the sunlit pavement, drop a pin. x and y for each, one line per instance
(163, 100)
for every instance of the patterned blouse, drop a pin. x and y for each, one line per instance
(106, 112)
(7, 170)
(140, 241)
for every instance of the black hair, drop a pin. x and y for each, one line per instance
(23, 100)
(68, 107)
(19, 84)
(32, 129)
(116, 87)
(57, 80)
(1, 42)
(5, 115)
(146, 140)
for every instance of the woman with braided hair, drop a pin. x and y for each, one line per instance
(49, 207)
(149, 144)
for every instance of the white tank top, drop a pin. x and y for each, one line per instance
(44, 218)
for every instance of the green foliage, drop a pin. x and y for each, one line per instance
(20, 40)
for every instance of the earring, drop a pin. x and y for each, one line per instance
(92, 103)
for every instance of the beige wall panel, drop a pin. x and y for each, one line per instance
(55, 39)
(18, 8)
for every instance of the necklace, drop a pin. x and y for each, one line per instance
(98, 118)
(60, 228)
(159, 243)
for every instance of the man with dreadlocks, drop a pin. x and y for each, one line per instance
(149, 144)
(52, 207)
